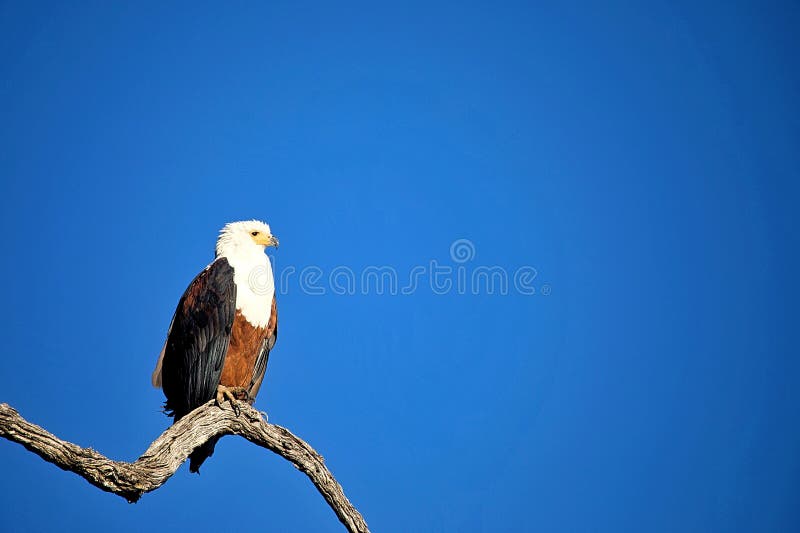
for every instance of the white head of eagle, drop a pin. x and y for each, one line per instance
(223, 329)
(246, 237)
(243, 244)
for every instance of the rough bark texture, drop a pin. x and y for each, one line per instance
(167, 452)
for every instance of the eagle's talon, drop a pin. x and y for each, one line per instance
(232, 394)
(224, 393)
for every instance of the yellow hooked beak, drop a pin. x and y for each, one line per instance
(266, 240)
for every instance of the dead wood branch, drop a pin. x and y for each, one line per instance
(170, 450)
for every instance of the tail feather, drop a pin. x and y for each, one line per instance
(200, 454)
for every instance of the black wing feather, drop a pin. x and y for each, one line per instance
(198, 339)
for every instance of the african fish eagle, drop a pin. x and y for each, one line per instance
(223, 329)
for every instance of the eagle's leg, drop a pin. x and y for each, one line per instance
(232, 394)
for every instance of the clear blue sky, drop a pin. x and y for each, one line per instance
(644, 160)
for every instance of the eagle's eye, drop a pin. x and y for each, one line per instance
(254, 233)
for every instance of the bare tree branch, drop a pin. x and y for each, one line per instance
(170, 450)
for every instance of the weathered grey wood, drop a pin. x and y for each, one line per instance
(170, 450)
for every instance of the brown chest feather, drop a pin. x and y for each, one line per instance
(245, 344)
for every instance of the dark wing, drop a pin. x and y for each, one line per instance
(263, 356)
(198, 339)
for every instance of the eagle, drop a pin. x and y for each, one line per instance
(223, 329)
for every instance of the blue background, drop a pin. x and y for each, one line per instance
(643, 159)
